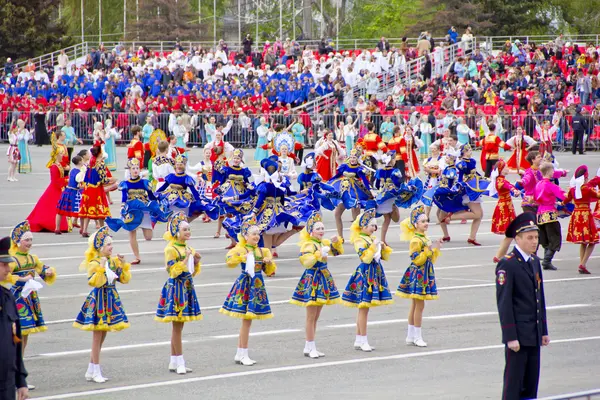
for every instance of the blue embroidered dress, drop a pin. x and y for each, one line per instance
(394, 191)
(233, 183)
(102, 309)
(448, 194)
(247, 298)
(68, 205)
(316, 286)
(351, 185)
(418, 282)
(474, 184)
(368, 286)
(178, 301)
(180, 194)
(29, 308)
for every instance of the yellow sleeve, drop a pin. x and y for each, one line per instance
(436, 254)
(10, 280)
(197, 266)
(235, 257)
(365, 254)
(418, 253)
(125, 275)
(269, 267)
(96, 275)
(174, 267)
(338, 247)
(42, 270)
(386, 251)
(308, 255)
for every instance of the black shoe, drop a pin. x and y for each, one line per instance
(550, 267)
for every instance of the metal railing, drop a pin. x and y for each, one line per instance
(590, 394)
(83, 125)
(73, 52)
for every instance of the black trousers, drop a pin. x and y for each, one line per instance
(8, 389)
(550, 236)
(577, 142)
(489, 167)
(521, 373)
(70, 152)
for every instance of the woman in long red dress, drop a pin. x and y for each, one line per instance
(504, 212)
(43, 217)
(582, 226)
(411, 160)
(329, 152)
(94, 203)
(520, 144)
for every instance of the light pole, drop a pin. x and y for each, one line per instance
(137, 18)
(124, 19)
(82, 22)
(215, 23)
(240, 22)
(99, 21)
(280, 20)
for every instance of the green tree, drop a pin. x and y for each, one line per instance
(438, 16)
(167, 20)
(29, 28)
(376, 18)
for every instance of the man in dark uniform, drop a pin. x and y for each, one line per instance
(12, 369)
(522, 310)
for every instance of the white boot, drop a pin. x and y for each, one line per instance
(410, 336)
(97, 377)
(358, 342)
(312, 350)
(365, 345)
(173, 364)
(306, 351)
(246, 360)
(181, 368)
(90, 372)
(318, 352)
(419, 342)
(238, 355)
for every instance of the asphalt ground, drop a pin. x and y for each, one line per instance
(464, 358)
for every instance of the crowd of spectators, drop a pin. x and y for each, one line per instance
(522, 80)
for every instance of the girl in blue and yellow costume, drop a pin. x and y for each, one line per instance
(316, 287)
(178, 301)
(368, 286)
(24, 288)
(180, 194)
(418, 282)
(352, 186)
(139, 208)
(247, 298)
(102, 311)
(232, 183)
(474, 186)
(394, 192)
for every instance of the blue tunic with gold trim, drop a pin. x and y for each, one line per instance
(352, 186)
(474, 184)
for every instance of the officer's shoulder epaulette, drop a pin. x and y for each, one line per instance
(508, 256)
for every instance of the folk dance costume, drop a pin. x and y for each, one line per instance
(519, 144)
(398, 145)
(26, 264)
(327, 155)
(247, 298)
(233, 183)
(504, 212)
(411, 159)
(316, 286)
(474, 184)
(351, 185)
(372, 143)
(178, 301)
(545, 196)
(582, 225)
(431, 178)
(529, 181)
(162, 166)
(139, 206)
(491, 145)
(70, 199)
(264, 138)
(23, 138)
(110, 145)
(43, 216)
(393, 191)
(448, 194)
(546, 137)
(102, 309)
(418, 282)
(13, 155)
(94, 203)
(368, 286)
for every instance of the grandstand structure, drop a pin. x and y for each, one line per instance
(325, 111)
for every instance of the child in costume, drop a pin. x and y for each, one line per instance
(25, 287)
(178, 301)
(368, 286)
(139, 208)
(418, 282)
(94, 203)
(68, 205)
(545, 196)
(504, 212)
(582, 226)
(102, 311)
(316, 287)
(23, 138)
(247, 298)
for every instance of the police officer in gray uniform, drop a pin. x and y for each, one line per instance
(522, 310)
(12, 370)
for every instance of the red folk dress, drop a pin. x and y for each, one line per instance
(94, 204)
(43, 216)
(504, 212)
(327, 160)
(582, 225)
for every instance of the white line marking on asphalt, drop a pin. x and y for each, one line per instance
(283, 331)
(297, 367)
(494, 284)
